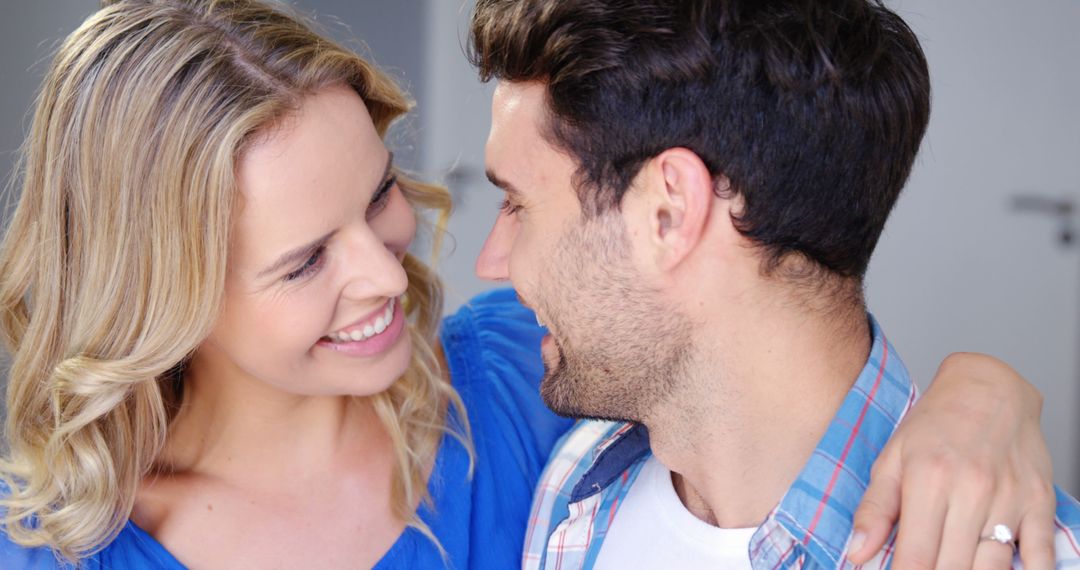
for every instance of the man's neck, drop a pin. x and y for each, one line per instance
(740, 431)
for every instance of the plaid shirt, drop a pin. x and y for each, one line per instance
(595, 464)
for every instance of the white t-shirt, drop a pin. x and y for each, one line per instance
(653, 530)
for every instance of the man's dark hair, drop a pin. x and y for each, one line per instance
(813, 109)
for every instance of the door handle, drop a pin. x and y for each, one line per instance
(1061, 209)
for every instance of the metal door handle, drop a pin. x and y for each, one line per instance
(1060, 208)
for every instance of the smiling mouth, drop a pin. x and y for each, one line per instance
(366, 330)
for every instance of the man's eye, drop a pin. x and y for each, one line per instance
(309, 266)
(508, 207)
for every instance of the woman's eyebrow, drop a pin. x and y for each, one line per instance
(305, 251)
(296, 255)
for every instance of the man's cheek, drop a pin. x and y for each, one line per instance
(520, 264)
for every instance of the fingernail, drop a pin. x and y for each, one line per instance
(857, 541)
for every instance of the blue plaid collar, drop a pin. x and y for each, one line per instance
(818, 508)
(611, 458)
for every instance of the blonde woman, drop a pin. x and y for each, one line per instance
(222, 353)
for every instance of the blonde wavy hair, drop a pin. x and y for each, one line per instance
(112, 270)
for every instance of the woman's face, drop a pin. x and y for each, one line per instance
(312, 294)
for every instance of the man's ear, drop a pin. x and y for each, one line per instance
(678, 200)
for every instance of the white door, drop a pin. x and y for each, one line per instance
(457, 116)
(959, 268)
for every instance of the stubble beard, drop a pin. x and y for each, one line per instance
(622, 349)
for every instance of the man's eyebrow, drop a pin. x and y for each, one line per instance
(500, 183)
(303, 252)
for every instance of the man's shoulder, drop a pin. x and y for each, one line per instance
(574, 456)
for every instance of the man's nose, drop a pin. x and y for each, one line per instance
(493, 262)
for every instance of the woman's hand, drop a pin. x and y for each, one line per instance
(969, 455)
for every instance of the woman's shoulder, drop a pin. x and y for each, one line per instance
(492, 346)
(493, 343)
(130, 549)
(16, 556)
(495, 316)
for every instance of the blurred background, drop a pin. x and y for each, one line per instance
(980, 255)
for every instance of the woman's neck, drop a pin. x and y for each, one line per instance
(242, 429)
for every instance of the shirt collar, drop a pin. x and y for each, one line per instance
(612, 457)
(818, 508)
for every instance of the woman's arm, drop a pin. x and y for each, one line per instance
(969, 455)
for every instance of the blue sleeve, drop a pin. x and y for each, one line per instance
(18, 557)
(123, 552)
(492, 345)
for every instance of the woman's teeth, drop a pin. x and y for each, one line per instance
(369, 330)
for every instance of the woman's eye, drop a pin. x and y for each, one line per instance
(378, 201)
(309, 266)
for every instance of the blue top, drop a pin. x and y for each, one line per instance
(492, 346)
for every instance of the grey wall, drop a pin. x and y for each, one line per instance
(459, 117)
(29, 31)
(392, 33)
(957, 268)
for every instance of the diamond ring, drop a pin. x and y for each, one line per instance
(1001, 534)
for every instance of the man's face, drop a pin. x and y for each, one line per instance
(614, 346)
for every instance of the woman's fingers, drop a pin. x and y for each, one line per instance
(923, 505)
(878, 512)
(1036, 533)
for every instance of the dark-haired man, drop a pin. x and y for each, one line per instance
(694, 190)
